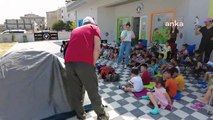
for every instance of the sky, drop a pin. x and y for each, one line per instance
(13, 9)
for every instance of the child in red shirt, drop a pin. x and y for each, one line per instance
(145, 76)
(171, 84)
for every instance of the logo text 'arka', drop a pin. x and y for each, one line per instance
(174, 23)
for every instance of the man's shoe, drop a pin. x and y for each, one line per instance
(103, 117)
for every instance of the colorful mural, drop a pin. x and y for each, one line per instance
(160, 32)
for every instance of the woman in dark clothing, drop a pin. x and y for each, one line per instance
(206, 44)
(173, 35)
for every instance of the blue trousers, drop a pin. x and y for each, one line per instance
(125, 47)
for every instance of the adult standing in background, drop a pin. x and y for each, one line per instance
(173, 34)
(206, 44)
(80, 58)
(126, 37)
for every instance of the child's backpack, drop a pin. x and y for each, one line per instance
(98, 67)
(112, 77)
(104, 71)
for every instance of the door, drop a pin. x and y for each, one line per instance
(136, 28)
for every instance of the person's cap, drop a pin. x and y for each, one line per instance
(208, 20)
(88, 20)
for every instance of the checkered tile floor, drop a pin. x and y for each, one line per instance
(125, 106)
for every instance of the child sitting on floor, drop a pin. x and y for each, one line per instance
(175, 63)
(150, 69)
(161, 60)
(145, 53)
(159, 97)
(183, 52)
(115, 55)
(145, 76)
(155, 66)
(139, 45)
(179, 78)
(133, 60)
(167, 51)
(209, 78)
(170, 84)
(135, 84)
(207, 99)
(180, 82)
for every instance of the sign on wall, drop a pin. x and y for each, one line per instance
(80, 22)
(46, 36)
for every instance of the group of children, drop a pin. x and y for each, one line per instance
(161, 65)
(167, 87)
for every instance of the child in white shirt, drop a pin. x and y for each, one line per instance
(135, 84)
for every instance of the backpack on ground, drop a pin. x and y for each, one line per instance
(112, 77)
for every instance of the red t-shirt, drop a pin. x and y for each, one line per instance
(172, 86)
(145, 77)
(81, 44)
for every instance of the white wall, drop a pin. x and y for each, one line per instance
(89, 9)
(198, 8)
(18, 37)
(107, 23)
(63, 35)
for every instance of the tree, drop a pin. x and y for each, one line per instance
(58, 25)
(73, 25)
(68, 26)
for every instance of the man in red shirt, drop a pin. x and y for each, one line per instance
(145, 76)
(81, 55)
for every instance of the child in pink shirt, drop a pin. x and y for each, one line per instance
(159, 97)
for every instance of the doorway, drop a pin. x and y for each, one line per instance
(136, 28)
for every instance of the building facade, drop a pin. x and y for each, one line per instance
(59, 14)
(52, 16)
(37, 22)
(147, 17)
(27, 22)
(2, 27)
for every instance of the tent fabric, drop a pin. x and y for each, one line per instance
(31, 86)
